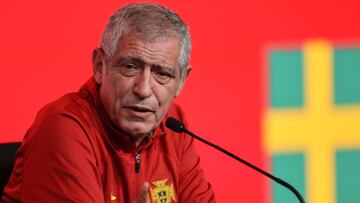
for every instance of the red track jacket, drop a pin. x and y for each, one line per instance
(72, 153)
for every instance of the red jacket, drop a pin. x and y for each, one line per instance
(72, 153)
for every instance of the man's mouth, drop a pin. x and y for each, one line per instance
(141, 109)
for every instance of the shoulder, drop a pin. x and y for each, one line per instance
(173, 142)
(56, 155)
(177, 112)
(54, 128)
(75, 109)
(69, 104)
(61, 120)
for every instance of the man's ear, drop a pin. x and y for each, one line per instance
(181, 85)
(98, 57)
(188, 70)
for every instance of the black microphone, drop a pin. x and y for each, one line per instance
(179, 127)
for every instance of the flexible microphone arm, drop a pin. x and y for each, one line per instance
(179, 127)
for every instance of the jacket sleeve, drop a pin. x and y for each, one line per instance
(194, 188)
(57, 164)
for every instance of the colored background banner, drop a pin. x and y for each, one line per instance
(311, 126)
(46, 51)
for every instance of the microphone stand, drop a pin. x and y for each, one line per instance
(276, 179)
(179, 127)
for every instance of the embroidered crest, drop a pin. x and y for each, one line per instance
(162, 193)
(112, 197)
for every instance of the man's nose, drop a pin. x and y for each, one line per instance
(142, 87)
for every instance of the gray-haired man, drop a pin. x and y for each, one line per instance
(107, 142)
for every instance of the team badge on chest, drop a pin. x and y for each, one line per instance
(162, 193)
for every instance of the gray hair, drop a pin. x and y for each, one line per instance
(151, 21)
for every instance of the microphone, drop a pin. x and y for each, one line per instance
(177, 126)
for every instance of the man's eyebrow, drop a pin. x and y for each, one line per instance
(123, 59)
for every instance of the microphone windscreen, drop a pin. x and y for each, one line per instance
(175, 125)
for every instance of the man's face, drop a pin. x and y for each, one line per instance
(138, 83)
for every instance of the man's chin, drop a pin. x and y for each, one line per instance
(136, 129)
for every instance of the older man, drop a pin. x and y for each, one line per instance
(107, 142)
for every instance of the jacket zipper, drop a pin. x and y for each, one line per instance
(138, 149)
(137, 162)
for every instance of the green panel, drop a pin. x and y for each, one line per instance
(291, 168)
(347, 76)
(348, 176)
(286, 79)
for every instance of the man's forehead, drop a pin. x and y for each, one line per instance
(164, 52)
(148, 40)
(152, 35)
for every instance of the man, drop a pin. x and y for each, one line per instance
(107, 142)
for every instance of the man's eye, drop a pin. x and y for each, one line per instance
(129, 69)
(129, 66)
(163, 76)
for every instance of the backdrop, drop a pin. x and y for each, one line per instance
(240, 49)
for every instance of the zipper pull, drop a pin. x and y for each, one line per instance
(137, 162)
